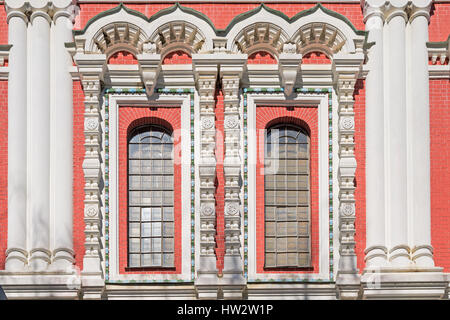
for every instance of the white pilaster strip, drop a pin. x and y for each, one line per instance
(16, 254)
(346, 69)
(376, 251)
(419, 137)
(39, 144)
(205, 68)
(91, 68)
(231, 70)
(61, 156)
(396, 111)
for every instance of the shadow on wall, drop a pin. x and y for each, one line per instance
(2, 294)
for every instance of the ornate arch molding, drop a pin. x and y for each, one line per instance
(315, 29)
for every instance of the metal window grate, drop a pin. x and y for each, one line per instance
(287, 197)
(150, 198)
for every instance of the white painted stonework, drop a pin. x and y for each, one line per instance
(391, 55)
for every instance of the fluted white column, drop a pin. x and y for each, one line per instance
(61, 156)
(375, 190)
(17, 141)
(397, 153)
(419, 137)
(39, 144)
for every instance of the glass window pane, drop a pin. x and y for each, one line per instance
(145, 230)
(270, 244)
(156, 214)
(168, 213)
(168, 260)
(146, 244)
(156, 259)
(270, 229)
(270, 259)
(134, 260)
(282, 259)
(168, 229)
(134, 214)
(133, 230)
(156, 229)
(146, 214)
(156, 245)
(146, 260)
(135, 245)
(168, 245)
(281, 245)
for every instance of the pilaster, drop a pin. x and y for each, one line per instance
(17, 254)
(91, 69)
(231, 70)
(205, 69)
(346, 69)
(39, 139)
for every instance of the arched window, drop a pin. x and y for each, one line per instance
(150, 197)
(287, 197)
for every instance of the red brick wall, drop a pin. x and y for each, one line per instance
(122, 57)
(78, 176)
(307, 118)
(315, 58)
(3, 25)
(439, 28)
(360, 179)
(440, 171)
(129, 118)
(3, 171)
(177, 57)
(261, 57)
(220, 17)
(220, 182)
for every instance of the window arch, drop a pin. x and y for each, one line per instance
(287, 197)
(150, 197)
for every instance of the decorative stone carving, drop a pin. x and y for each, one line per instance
(347, 123)
(207, 123)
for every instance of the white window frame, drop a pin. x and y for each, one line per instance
(320, 101)
(141, 100)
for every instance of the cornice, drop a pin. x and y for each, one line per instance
(234, 21)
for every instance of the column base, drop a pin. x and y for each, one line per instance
(16, 260)
(348, 285)
(40, 285)
(403, 283)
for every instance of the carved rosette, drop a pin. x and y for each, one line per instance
(91, 71)
(207, 166)
(232, 165)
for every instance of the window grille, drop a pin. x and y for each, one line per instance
(150, 198)
(287, 197)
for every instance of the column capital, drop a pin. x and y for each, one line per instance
(373, 8)
(40, 12)
(396, 8)
(17, 11)
(420, 8)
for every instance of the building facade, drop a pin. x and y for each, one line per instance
(225, 150)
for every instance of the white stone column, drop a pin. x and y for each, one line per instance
(397, 152)
(375, 191)
(16, 254)
(419, 137)
(39, 144)
(61, 156)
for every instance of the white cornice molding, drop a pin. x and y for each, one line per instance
(439, 71)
